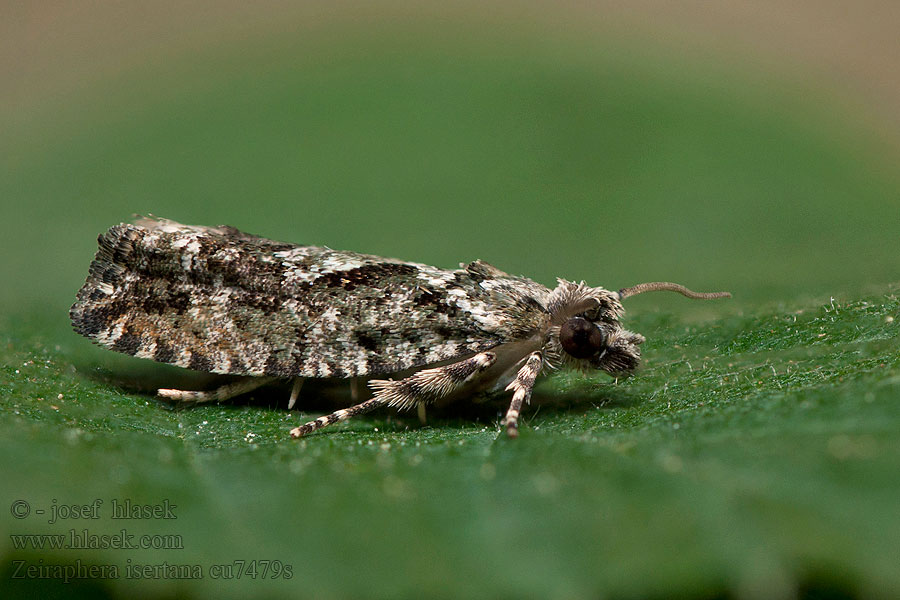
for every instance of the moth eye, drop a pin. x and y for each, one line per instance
(580, 338)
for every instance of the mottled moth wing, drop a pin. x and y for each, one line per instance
(219, 300)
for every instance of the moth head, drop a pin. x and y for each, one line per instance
(601, 345)
(589, 333)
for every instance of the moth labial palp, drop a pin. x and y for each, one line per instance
(218, 300)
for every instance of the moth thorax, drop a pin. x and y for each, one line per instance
(580, 338)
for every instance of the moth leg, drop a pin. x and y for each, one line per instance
(219, 394)
(336, 416)
(424, 386)
(522, 386)
(295, 391)
(428, 385)
(420, 410)
(355, 392)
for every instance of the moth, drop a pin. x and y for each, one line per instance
(219, 300)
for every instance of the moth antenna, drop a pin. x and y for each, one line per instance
(665, 286)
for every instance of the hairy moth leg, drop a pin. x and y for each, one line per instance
(219, 394)
(522, 385)
(430, 384)
(425, 386)
(336, 416)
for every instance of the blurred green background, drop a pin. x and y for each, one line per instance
(717, 148)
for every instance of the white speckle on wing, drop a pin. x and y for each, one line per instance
(184, 359)
(435, 278)
(109, 337)
(147, 352)
(479, 310)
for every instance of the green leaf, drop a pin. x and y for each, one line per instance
(756, 454)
